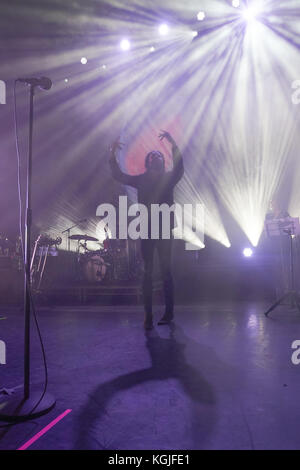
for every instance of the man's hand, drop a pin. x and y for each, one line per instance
(166, 135)
(117, 145)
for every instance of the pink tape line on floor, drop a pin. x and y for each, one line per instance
(44, 430)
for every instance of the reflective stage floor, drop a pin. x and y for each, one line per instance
(221, 377)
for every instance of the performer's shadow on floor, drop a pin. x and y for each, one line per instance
(168, 362)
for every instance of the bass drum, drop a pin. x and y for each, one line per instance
(94, 268)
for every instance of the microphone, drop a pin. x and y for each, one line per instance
(43, 82)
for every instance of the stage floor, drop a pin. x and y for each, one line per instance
(220, 378)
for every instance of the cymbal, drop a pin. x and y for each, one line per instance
(86, 238)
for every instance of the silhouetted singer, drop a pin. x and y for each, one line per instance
(154, 186)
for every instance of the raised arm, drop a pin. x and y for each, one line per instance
(130, 180)
(178, 169)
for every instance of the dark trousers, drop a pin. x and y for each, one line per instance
(164, 249)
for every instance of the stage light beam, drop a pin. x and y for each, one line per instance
(200, 16)
(163, 29)
(250, 14)
(248, 252)
(125, 45)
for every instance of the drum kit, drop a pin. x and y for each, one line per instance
(97, 265)
(92, 265)
(108, 262)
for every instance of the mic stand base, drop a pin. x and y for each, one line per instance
(17, 408)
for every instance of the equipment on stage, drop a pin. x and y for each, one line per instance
(92, 262)
(42, 249)
(286, 227)
(6, 246)
(108, 263)
(105, 264)
(68, 231)
(43, 82)
(86, 238)
(94, 267)
(28, 406)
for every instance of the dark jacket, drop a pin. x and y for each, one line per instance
(153, 189)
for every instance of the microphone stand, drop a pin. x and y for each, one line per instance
(29, 405)
(292, 296)
(68, 231)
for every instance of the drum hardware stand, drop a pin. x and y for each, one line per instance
(44, 243)
(29, 405)
(68, 232)
(292, 295)
(38, 270)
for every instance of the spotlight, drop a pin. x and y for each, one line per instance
(250, 14)
(66, 80)
(235, 3)
(125, 45)
(194, 33)
(200, 16)
(83, 60)
(163, 29)
(248, 252)
(152, 49)
(104, 66)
